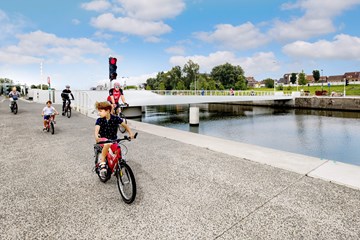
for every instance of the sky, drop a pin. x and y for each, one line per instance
(70, 41)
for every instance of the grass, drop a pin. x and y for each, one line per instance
(351, 90)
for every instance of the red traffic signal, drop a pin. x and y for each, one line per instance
(112, 68)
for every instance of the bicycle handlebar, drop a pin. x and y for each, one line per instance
(118, 140)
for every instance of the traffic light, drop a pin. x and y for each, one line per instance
(346, 82)
(112, 68)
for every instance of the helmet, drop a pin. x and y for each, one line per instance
(67, 86)
(116, 84)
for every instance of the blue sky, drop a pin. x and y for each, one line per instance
(73, 39)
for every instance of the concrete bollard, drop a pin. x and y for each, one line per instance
(194, 116)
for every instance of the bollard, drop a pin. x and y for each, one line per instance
(194, 116)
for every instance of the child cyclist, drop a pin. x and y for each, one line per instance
(47, 112)
(106, 127)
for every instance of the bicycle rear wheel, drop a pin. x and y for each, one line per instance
(126, 182)
(52, 126)
(68, 111)
(15, 108)
(121, 128)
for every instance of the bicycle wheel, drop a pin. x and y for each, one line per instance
(15, 108)
(126, 182)
(97, 169)
(52, 126)
(68, 111)
(121, 128)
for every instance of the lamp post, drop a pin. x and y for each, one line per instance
(322, 80)
(274, 87)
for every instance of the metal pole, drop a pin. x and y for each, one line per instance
(41, 75)
(274, 87)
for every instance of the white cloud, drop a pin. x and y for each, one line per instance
(342, 47)
(317, 20)
(75, 21)
(152, 10)
(255, 65)
(96, 5)
(11, 25)
(130, 25)
(178, 50)
(37, 46)
(240, 37)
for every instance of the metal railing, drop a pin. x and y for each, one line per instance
(218, 93)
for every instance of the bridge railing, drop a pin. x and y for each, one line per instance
(218, 93)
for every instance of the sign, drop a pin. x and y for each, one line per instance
(48, 80)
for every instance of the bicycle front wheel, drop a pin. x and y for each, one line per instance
(126, 182)
(15, 108)
(68, 112)
(52, 126)
(121, 128)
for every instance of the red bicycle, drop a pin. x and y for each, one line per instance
(116, 165)
(50, 124)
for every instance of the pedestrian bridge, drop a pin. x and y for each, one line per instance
(85, 100)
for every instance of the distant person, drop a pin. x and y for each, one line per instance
(47, 112)
(115, 94)
(13, 96)
(231, 92)
(65, 97)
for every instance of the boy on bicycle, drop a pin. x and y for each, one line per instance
(13, 96)
(47, 112)
(106, 128)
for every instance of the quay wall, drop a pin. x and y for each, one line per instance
(308, 102)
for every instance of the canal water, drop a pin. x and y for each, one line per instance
(330, 135)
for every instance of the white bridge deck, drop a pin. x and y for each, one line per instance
(85, 100)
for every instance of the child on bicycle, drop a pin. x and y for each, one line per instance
(47, 112)
(106, 128)
(13, 96)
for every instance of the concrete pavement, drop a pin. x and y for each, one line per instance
(187, 189)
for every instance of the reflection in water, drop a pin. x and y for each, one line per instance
(323, 134)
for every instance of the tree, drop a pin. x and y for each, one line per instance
(269, 83)
(316, 75)
(190, 69)
(302, 79)
(228, 75)
(6, 80)
(293, 78)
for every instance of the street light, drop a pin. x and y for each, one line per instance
(321, 81)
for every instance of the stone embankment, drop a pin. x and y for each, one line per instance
(312, 102)
(328, 103)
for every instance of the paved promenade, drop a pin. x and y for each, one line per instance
(186, 190)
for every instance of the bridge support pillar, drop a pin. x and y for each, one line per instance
(194, 116)
(133, 112)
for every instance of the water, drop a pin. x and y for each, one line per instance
(330, 135)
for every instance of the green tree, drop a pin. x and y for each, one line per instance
(6, 80)
(269, 83)
(180, 85)
(191, 70)
(228, 75)
(302, 79)
(316, 75)
(293, 78)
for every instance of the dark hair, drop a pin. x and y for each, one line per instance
(49, 102)
(103, 105)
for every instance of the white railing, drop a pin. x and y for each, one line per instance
(218, 93)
